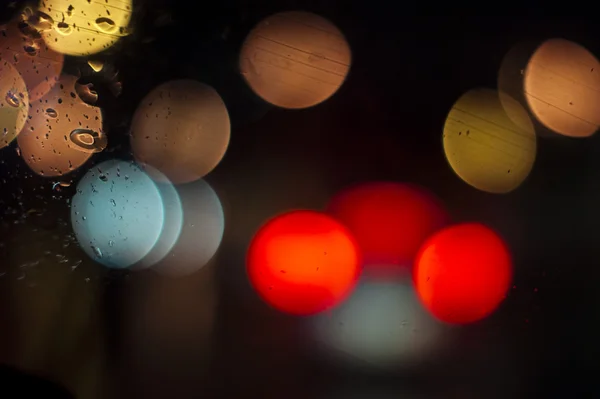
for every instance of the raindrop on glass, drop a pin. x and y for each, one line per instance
(74, 265)
(31, 49)
(97, 251)
(105, 25)
(86, 93)
(87, 140)
(12, 99)
(40, 21)
(63, 28)
(51, 113)
(96, 65)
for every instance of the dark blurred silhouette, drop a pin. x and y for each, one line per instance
(18, 384)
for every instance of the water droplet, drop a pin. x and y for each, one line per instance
(116, 88)
(86, 93)
(40, 21)
(12, 99)
(74, 265)
(96, 65)
(63, 28)
(29, 31)
(105, 25)
(103, 177)
(51, 113)
(111, 243)
(97, 251)
(113, 202)
(31, 49)
(87, 140)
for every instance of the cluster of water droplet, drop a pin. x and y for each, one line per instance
(84, 27)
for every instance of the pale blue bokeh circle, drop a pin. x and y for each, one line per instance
(173, 216)
(117, 213)
(173, 220)
(201, 232)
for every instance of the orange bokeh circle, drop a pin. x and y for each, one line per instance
(303, 262)
(462, 273)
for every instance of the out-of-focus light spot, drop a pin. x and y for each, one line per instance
(84, 27)
(201, 233)
(117, 214)
(295, 59)
(14, 101)
(389, 220)
(512, 73)
(39, 66)
(562, 88)
(303, 262)
(486, 147)
(182, 129)
(463, 272)
(57, 138)
(172, 226)
(382, 323)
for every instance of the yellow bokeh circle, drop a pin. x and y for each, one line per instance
(484, 146)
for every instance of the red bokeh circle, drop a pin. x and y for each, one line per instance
(462, 273)
(389, 220)
(303, 262)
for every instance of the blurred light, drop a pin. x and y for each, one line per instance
(85, 27)
(14, 101)
(173, 221)
(303, 262)
(47, 143)
(381, 323)
(201, 233)
(562, 88)
(484, 146)
(295, 59)
(39, 66)
(389, 220)
(117, 214)
(511, 78)
(182, 129)
(463, 272)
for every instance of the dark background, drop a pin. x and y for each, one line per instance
(385, 123)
